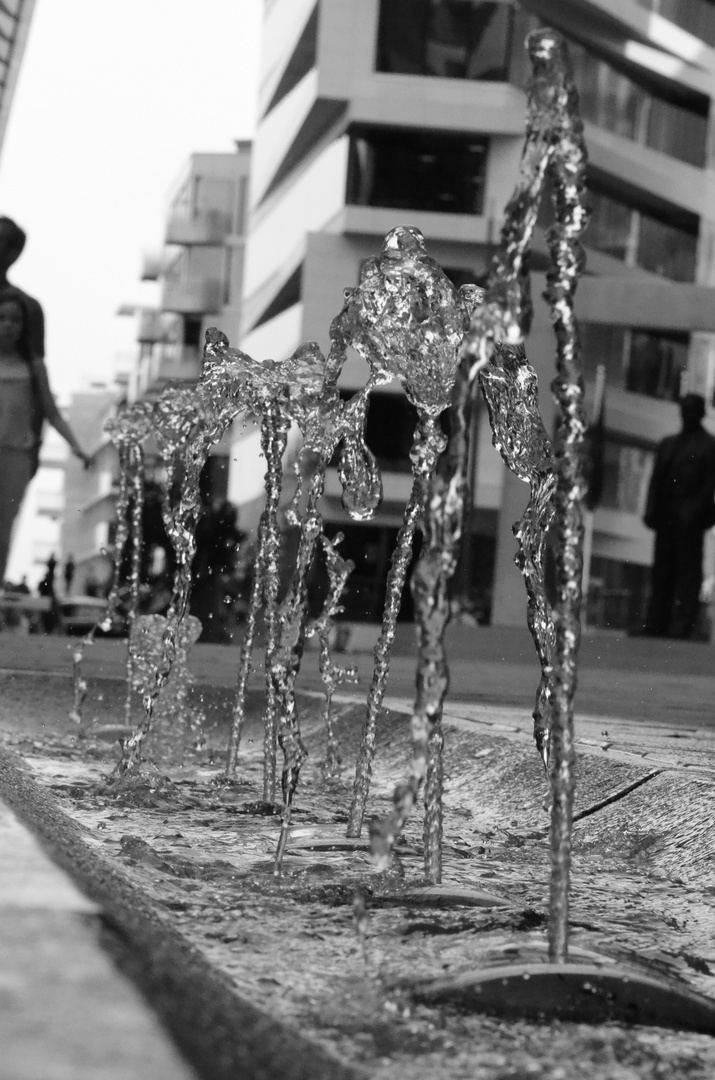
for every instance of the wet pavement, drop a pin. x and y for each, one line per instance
(644, 723)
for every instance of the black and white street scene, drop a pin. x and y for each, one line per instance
(357, 539)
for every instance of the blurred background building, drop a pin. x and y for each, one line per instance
(39, 525)
(395, 112)
(198, 276)
(412, 112)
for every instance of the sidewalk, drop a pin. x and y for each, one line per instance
(666, 685)
(65, 1011)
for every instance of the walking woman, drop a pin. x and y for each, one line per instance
(26, 401)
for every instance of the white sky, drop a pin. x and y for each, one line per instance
(112, 98)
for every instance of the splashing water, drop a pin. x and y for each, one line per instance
(128, 430)
(332, 674)
(274, 433)
(510, 389)
(186, 424)
(443, 527)
(554, 149)
(406, 319)
(174, 718)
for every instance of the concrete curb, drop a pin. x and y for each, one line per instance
(222, 1035)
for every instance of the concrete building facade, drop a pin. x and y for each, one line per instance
(395, 112)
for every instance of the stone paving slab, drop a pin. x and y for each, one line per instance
(66, 1013)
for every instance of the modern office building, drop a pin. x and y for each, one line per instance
(200, 275)
(395, 112)
(90, 495)
(199, 271)
(15, 21)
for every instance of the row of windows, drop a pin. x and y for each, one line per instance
(644, 362)
(407, 169)
(482, 40)
(471, 39)
(611, 100)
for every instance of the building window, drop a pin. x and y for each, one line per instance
(615, 102)
(642, 361)
(370, 547)
(645, 238)
(626, 476)
(389, 432)
(617, 595)
(656, 363)
(417, 170)
(391, 423)
(466, 40)
(192, 331)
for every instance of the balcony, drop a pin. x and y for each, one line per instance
(152, 265)
(151, 327)
(167, 363)
(203, 227)
(195, 296)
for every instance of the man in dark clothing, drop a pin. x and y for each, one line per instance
(68, 574)
(680, 508)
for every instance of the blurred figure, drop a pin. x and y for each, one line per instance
(679, 509)
(68, 574)
(26, 401)
(50, 618)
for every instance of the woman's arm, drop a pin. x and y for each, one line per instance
(52, 413)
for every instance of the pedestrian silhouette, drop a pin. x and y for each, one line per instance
(26, 400)
(679, 509)
(46, 588)
(68, 573)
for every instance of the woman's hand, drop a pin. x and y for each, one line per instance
(84, 458)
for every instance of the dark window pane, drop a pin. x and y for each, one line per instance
(192, 331)
(656, 363)
(666, 249)
(642, 239)
(610, 227)
(417, 170)
(676, 131)
(615, 102)
(470, 39)
(617, 593)
(607, 98)
(370, 547)
(626, 476)
(604, 344)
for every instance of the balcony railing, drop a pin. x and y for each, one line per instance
(195, 296)
(152, 327)
(203, 227)
(168, 363)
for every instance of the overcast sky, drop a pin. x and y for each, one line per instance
(112, 98)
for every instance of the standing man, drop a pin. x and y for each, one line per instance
(679, 509)
(68, 574)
